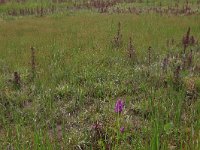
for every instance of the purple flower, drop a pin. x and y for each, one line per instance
(122, 129)
(119, 106)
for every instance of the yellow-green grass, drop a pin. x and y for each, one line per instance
(86, 33)
(78, 72)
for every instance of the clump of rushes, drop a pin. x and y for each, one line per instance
(117, 41)
(33, 64)
(131, 50)
(17, 80)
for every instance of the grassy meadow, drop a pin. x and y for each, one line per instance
(63, 73)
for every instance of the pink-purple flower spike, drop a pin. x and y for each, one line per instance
(119, 106)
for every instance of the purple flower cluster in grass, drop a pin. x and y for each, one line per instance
(122, 129)
(119, 106)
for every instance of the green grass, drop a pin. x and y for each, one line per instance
(79, 77)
